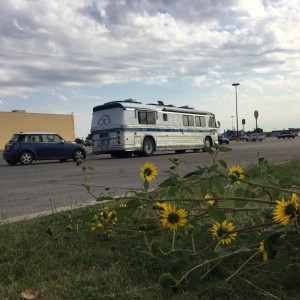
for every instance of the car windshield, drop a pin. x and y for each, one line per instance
(17, 138)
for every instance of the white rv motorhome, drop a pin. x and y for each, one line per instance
(123, 128)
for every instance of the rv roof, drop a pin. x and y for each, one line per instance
(128, 104)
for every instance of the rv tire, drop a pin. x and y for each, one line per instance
(207, 144)
(180, 151)
(148, 147)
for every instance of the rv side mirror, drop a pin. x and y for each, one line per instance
(219, 124)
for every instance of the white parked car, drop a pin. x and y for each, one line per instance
(254, 137)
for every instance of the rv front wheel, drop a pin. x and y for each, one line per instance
(148, 147)
(208, 143)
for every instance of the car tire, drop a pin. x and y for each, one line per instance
(78, 154)
(11, 162)
(148, 147)
(26, 158)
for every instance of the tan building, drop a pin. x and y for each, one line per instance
(19, 120)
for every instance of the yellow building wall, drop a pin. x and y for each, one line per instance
(12, 122)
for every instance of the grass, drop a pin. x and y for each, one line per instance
(59, 257)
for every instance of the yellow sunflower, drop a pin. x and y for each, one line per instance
(286, 212)
(172, 218)
(148, 171)
(224, 232)
(236, 174)
(209, 195)
(161, 205)
(263, 250)
(108, 215)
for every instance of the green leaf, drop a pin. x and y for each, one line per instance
(209, 150)
(188, 190)
(281, 260)
(171, 181)
(204, 187)
(128, 211)
(218, 187)
(272, 231)
(222, 163)
(195, 173)
(105, 197)
(216, 214)
(240, 192)
(286, 182)
(240, 204)
(172, 191)
(213, 168)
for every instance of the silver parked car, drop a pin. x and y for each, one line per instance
(254, 137)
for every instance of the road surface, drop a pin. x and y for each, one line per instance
(51, 185)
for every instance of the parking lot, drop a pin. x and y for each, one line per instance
(47, 186)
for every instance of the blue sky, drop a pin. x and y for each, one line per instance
(64, 56)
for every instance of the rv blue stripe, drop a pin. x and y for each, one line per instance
(155, 130)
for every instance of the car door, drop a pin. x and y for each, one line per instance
(34, 144)
(55, 147)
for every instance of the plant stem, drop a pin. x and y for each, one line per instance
(173, 241)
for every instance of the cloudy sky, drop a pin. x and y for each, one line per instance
(64, 56)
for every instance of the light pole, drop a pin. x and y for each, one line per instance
(236, 112)
(231, 123)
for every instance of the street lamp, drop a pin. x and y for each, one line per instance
(236, 112)
(231, 123)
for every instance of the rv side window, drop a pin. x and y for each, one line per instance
(211, 122)
(165, 117)
(147, 117)
(188, 120)
(185, 120)
(200, 121)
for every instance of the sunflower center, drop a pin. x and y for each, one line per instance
(221, 232)
(237, 174)
(173, 218)
(290, 210)
(147, 172)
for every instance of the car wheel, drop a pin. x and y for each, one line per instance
(11, 162)
(26, 158)
(78, 154)
(148, 147)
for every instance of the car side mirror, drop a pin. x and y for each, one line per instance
(62, 141)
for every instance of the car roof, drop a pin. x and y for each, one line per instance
(35, 132)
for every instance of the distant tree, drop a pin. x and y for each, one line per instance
(89, 137)
(258, 130)
(79, 141)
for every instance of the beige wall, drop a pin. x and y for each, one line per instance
(12, 122)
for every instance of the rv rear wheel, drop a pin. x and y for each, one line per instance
(180, 151)
(148, 147)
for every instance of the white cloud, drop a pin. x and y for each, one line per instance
(51, 45)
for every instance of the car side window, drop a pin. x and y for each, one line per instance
(52, 138)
